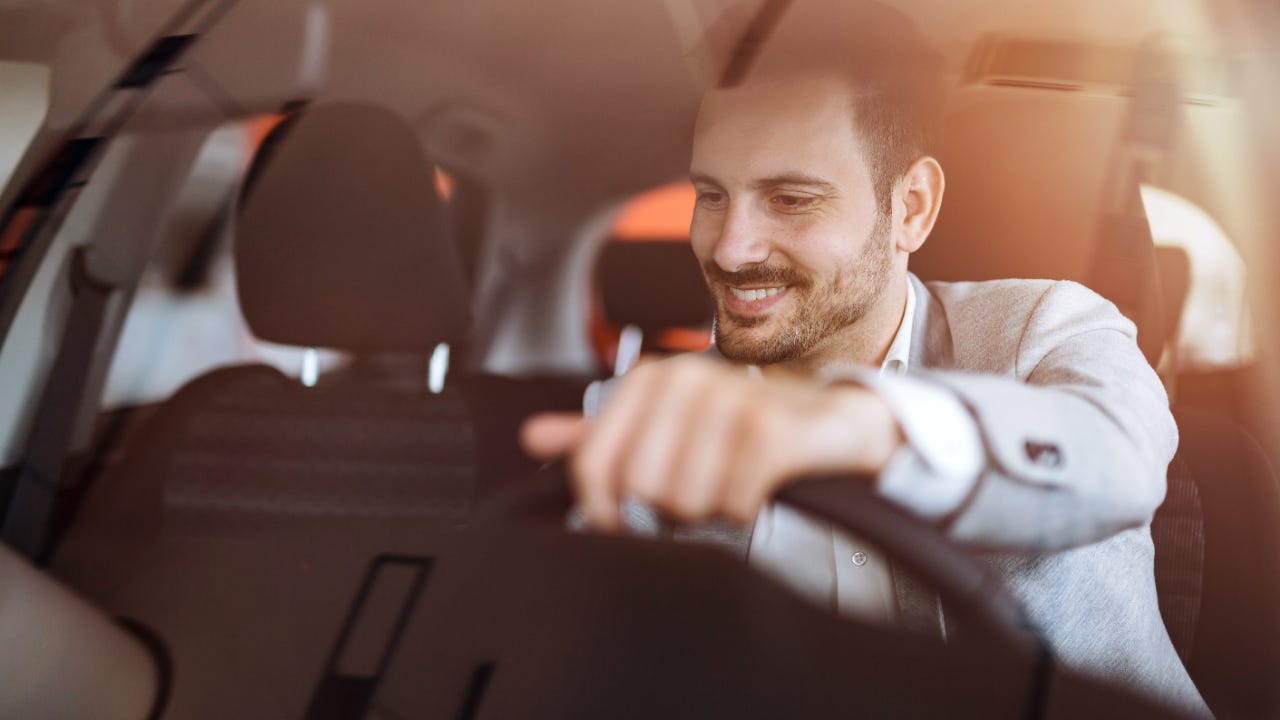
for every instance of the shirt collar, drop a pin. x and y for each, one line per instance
(896, 360)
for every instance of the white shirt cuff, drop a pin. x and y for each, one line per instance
(944, 456)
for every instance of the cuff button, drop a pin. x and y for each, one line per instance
(1045, 455)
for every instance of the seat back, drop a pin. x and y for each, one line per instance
(1218, 565)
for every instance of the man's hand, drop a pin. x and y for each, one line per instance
(699, 438)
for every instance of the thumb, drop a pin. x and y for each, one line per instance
(547, 436)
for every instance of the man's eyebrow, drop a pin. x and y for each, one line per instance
(794, 179)
(772, 181)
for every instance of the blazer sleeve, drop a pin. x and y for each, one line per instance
(1075, 445)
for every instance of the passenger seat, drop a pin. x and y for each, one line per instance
(342, 243)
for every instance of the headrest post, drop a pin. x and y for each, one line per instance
(628, 349)
(310, 372)
(438, 368)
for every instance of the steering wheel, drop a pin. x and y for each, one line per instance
(576, 625)
(972, 593)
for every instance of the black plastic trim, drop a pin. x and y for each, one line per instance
(348, 697)
(163, 659)
(748, 47)
(480, 678)
(155, 61)
(45, 189)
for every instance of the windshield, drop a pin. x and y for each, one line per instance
(282, 283)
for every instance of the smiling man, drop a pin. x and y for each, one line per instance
(1018, 415)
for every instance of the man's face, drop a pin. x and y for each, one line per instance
(786, 226)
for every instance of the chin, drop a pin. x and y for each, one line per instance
(752, 348)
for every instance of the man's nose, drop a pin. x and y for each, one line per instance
(741, 243)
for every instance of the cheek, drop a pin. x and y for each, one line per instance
(821, 251)
(704, 229)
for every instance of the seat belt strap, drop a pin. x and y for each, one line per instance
(1124, 268)
(41, 481)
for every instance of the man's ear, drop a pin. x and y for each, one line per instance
(920, 193)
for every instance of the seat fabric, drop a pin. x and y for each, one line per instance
(1218, 565)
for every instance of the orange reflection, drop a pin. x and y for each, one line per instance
(445, 184)
(659, 214)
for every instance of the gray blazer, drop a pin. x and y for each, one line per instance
(1077, 450)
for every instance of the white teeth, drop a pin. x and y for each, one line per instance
(753, 295)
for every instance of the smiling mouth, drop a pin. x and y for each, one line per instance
(754, 294)
(750, 305)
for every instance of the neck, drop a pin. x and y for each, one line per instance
(865, 342)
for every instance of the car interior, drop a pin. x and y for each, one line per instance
(279, 283)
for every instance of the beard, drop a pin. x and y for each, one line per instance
(820, 311)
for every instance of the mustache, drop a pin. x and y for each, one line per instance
(755, 275)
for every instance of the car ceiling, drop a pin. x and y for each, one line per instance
(598, 95)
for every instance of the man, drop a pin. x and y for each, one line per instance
(1020, 416)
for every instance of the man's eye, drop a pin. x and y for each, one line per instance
(792, 203)
(711, 199)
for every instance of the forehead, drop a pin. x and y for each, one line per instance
(777, 126)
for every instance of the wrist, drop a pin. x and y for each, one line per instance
(875, 430)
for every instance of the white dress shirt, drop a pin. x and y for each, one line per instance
(936, 468)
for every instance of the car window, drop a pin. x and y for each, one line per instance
(26, 89)
(1214, 327)
(554, 135)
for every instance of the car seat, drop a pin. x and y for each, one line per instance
(1217, 560)
(242, 507)
(341, 242)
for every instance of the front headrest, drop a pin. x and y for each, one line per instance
(341, 241)
(1024, 201)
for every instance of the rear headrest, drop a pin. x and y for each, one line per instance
(654, 285)
(341, 241)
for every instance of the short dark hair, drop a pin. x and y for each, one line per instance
(894, 74)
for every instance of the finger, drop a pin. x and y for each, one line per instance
(700, 473)
(547, 436)
(593, 468)
(649, 456)
(753, 467)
